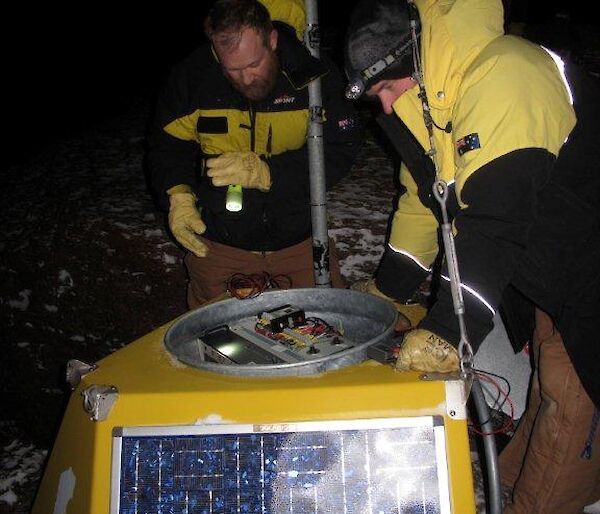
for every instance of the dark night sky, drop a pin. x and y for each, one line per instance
(67, 71)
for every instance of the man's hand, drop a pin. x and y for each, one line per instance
(422, 350)
(409, 314)
(243, 168)
(185, 221)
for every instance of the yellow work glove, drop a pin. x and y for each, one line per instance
(185, 221)
(422, 350)
(410, 314)
(240, 168)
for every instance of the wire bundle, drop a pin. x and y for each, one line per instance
(244, 286)
(503, 423)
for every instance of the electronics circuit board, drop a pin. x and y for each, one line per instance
(280, 336)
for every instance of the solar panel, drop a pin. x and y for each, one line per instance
(376, 466)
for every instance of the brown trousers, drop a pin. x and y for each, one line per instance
(208, 275)
(543, 462)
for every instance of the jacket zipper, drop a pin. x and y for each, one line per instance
(252, 126)
(252, 148)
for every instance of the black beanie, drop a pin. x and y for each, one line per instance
(378, 43)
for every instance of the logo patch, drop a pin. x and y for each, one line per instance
(468, 143)
(284, 99)
(346, 124)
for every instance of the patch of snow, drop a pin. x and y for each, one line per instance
(18, 464)
(22, 303)
(213, 419)
(9, 497)
(52, 390)
(358, 266)
(126, 226)
(66, 281)
(65, 277)
(169, 259)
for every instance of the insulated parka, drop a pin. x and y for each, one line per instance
(508, 142)
(200, 115)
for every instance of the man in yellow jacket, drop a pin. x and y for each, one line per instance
(509, 128)
(234, 115)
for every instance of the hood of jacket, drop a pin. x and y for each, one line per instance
(453, 34)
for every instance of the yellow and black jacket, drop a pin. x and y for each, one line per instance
(519, 156)
(200, 114)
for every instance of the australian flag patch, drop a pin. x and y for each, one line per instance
(468, 143)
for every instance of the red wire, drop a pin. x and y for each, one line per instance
(256, 284)
(509, 422)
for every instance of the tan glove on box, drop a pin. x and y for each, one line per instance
(185, 221)
(241, 168)
(422, 350)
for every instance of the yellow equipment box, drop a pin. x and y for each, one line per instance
(146, 431)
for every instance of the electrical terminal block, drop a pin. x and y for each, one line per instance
(286, 316)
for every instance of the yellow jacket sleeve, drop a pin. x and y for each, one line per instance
(414, 227)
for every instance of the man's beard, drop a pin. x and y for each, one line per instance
(260, 88)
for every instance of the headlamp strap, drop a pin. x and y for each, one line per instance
(394, 55)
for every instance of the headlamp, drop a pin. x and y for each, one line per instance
(355, 88)
(389, 66)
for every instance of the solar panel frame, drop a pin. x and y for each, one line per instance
(205, 486)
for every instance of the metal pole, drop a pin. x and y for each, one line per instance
(492, 468)
(316, 155)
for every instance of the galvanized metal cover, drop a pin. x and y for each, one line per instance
(365, 319)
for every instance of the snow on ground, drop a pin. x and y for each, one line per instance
(19, 464)
(87, 266)
(359, 208)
